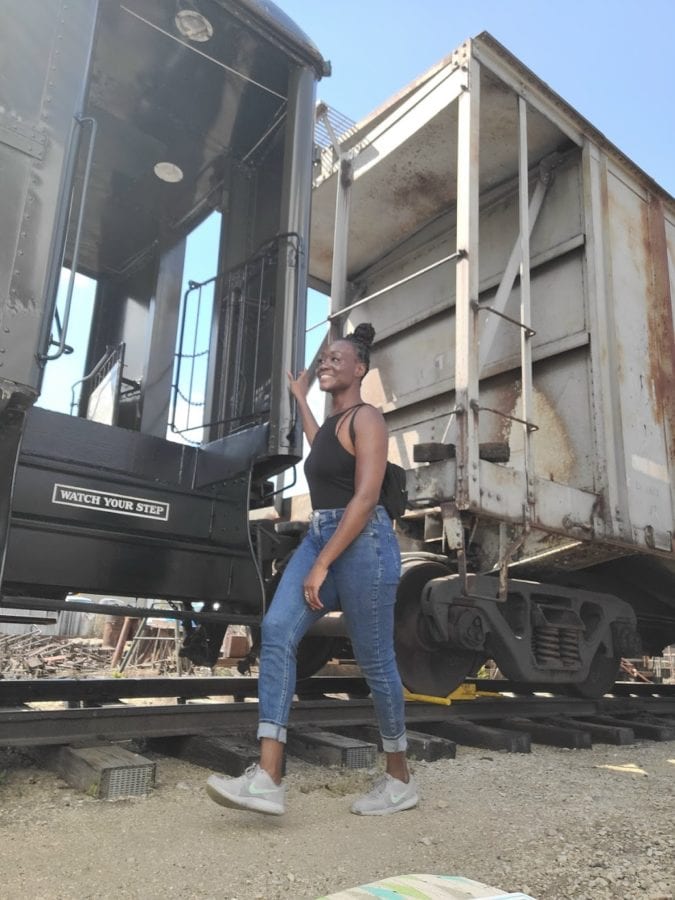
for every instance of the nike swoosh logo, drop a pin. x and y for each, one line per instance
(396, 798)
(256, 790)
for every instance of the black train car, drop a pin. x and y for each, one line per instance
(123, 126)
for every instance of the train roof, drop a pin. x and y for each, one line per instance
(405, 152)
(191, 95)
(267, 15)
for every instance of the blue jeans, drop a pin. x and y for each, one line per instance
(362, 583)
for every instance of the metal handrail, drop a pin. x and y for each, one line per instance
(78, 234)
(259, 256)
(100, 365)
(452, 257)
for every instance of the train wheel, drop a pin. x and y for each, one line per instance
(313, 654)
(425, 666)
(601, 677)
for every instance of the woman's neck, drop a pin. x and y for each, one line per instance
(345, 400)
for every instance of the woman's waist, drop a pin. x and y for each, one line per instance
(320, 517)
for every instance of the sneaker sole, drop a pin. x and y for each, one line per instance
(266, 807)
(411, 803)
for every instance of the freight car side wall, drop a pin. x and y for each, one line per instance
(413, 371)
(471, 180)
(603, 350)
(639, 282)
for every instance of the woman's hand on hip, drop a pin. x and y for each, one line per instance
(312, 584)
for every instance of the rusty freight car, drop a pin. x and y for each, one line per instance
(518, 270)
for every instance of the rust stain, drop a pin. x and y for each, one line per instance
(660, 332)
(554, 454)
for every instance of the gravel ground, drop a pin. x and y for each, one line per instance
(556, 824)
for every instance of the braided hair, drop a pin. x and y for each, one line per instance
(362, 340)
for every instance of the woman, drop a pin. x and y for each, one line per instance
(348, 560)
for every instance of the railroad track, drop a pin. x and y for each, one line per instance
(512, 718)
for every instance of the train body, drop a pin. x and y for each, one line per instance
(125, 126)
(518, 271)
(514, 264)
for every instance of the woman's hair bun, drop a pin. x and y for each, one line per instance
(364, 334)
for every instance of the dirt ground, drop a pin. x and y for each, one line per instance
(556, 824)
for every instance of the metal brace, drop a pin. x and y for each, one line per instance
(506, 553)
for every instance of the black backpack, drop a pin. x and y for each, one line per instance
(394, 493)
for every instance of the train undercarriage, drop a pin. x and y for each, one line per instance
(570, 633)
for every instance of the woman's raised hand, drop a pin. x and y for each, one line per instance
(299, 386)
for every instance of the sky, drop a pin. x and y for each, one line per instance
(609, 59)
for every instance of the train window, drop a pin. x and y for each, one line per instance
(194, 332)
(60, 389)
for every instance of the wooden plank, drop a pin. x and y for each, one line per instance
(427, 747)
(229, 754)
(474, 735)
(641, 729)
(330, 748)
(553, 735)
(430, 747)
(104, 771)
(603, 734)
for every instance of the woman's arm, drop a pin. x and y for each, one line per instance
(299, 387)
(370, 449)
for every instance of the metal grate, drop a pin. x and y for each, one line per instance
(330, 749)
(363, 757)
(341, 125)
(123, 783)
(330, 128)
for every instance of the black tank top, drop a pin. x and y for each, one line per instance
(329, 468)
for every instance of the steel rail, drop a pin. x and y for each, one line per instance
(30, 727)
(105, 689)
(620, 689)
(101, 690)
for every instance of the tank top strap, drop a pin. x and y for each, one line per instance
(344, 415)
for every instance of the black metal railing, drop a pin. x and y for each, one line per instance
(242, 305)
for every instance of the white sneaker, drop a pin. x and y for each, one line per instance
(389, 795)
(255, 790)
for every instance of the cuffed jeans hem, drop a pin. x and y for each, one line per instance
(395, 745)
(272, 730)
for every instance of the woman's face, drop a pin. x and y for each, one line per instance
(339, 367)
